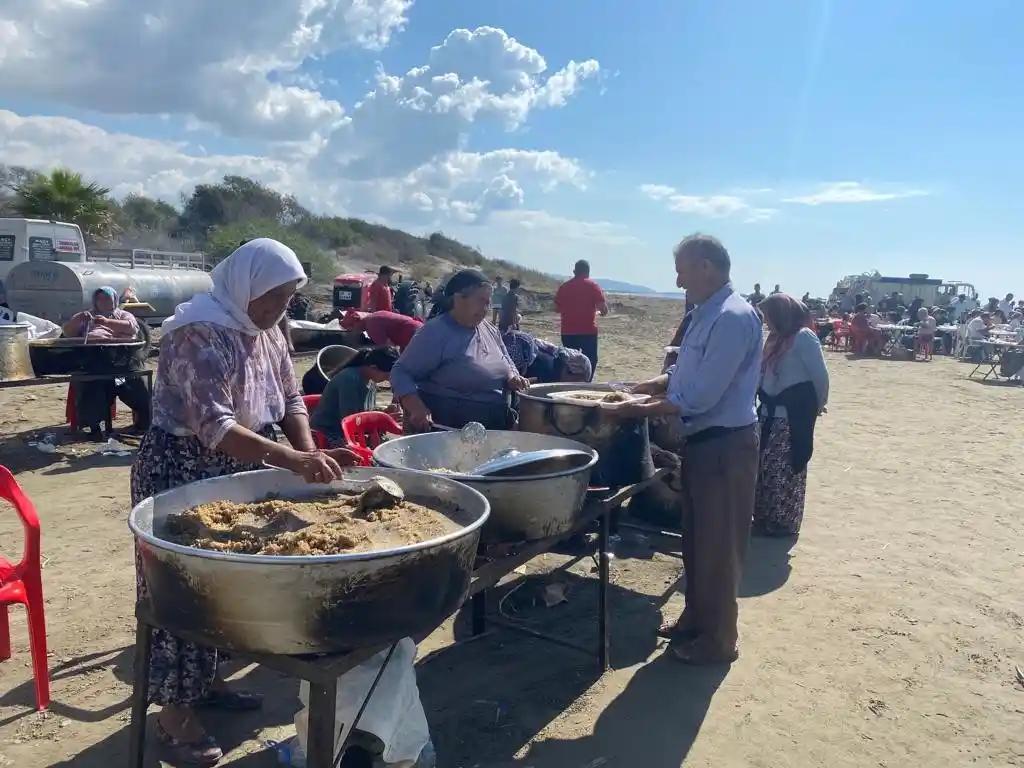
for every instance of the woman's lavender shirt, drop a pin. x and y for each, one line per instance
(445, 359)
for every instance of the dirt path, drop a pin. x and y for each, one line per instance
(887, 637)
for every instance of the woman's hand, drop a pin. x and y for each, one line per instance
(99, 321)
(343, 456)
(517, 383)
(315, 466)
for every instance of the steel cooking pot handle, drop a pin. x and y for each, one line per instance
(549, 414)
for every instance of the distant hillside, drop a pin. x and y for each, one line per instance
(616, 286)
(215, 217)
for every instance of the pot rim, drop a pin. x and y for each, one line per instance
(292, 560)
(53, 343)
(545, 397)
(471, 480)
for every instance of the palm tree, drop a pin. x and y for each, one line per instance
(64, 196)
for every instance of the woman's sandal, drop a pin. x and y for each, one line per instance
(203, 751)
(677, 633)
(231, 701)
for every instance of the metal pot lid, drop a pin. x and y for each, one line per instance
(516, 460)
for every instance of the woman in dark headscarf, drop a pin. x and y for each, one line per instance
(794, 391)
(456, 368)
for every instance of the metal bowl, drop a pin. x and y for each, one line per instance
(523, 508)
(299, 605)
(327, 359)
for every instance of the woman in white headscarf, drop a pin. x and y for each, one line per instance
(223, 381)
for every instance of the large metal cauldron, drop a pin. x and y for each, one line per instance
(523, 508)
(624, 445)
(298, 605)
(15, 363)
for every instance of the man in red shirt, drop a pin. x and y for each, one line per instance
(380, 291)
(579, 301)
(385, 329)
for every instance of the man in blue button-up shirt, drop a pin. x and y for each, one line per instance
(711, 388)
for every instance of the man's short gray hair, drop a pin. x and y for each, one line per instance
(705, 247)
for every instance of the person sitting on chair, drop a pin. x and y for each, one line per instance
(868, 340)
(104, 323)
(352, 389)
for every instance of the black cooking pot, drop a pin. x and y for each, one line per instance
(56, 357)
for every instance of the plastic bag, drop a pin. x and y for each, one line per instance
(38, 327)
(290, 754)
(394, 713)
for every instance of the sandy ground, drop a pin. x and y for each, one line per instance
(887, 636)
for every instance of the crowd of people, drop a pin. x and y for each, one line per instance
(960, 324)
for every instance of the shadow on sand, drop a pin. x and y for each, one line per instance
(767, 567)
(231, 729)
(652, 723)
(488, 699)
(73, 453)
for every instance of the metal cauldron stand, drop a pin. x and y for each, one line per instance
(321, 671)
(496, 562)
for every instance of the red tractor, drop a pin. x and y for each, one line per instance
(352, 292)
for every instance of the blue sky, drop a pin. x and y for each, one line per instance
(816, 137)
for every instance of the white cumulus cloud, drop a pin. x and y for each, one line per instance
(244, 69)
(755, 205)
(463, 185)
(709, 206)
(841, 192)
(213, 61)
(475, 75)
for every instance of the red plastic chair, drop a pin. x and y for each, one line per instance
(367, 429)
(71, 414)
(365, 455)
(842, 335)
(22, 584)
(319, 438)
